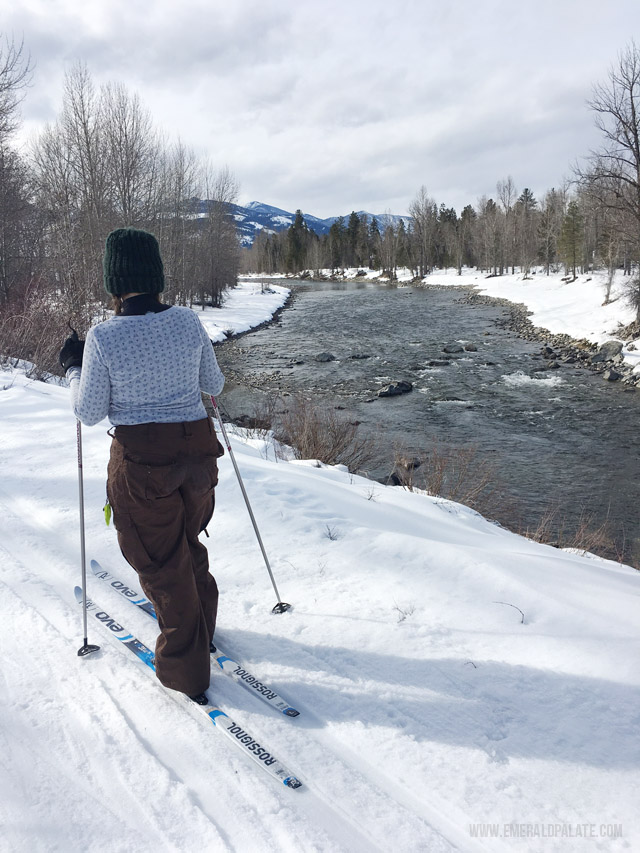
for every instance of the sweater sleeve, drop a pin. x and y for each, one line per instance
(90, 387)
(211, 378)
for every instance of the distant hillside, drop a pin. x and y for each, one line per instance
(256, 216)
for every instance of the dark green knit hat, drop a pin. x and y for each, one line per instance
(132, 262)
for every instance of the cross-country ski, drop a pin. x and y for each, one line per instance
(222, 721)
(227, 664)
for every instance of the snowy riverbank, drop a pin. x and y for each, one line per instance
(246, 306)
(455, 680)
(573, 308)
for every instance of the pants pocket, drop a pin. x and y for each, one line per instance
(131, 545)
(151, 482)
(201, 476)
(198, 493)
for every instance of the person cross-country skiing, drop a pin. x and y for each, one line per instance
(144, 368)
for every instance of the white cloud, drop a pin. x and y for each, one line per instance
(333, 106)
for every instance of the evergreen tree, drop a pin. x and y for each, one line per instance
(297, 242)
(374, 244)
(572, 237)
(526, 229)
(404, 258)
(337, 244)
(353, 258)
(446, 239)
(467, 224)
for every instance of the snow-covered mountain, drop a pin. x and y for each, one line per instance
(256, 216)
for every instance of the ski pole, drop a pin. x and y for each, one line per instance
(86, 647)
(281, 606)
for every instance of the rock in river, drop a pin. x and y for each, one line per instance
(610, 349)
(395, 388)
(325, 356)
(611, 375)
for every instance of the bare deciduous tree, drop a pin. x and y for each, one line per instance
(388, 246)
(177, 223)
(15, 75)
(550, 225)
(102, 165)
(133, 150)
(616, 165)
(424, 213)
(612, 174)
(83, 147)
(221, 257)
(15, 211)
(488, 234)
(507, 196)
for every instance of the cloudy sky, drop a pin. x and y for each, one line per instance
(345, 104)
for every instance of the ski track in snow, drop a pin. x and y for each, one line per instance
(330, 771)
(426, 705)
(326, 771)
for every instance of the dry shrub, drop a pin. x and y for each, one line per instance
(458, 474)
(632, 294)
(592, 535)
(546, 529)
(586, 534)
(317, 432)
(454, 473)
(33, 327)
(260, 422)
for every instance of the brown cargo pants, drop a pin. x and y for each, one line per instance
(161, 482)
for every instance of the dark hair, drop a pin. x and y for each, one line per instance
(117, 300)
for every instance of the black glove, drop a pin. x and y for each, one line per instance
(71, 352)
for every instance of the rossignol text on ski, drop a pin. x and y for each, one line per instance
(227, 664)
(237, 733)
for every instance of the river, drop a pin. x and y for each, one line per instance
(562, 441)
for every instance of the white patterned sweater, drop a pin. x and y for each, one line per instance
(146, 368)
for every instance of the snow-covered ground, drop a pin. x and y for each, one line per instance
(362, 273)
(245, 307)
(574, 308)
(456, 681)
